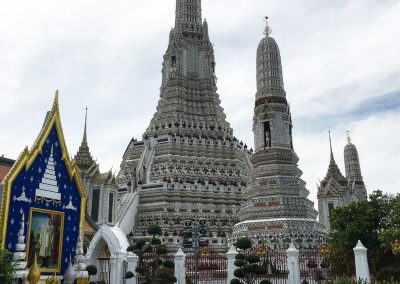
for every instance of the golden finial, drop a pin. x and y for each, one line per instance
(267, 30)
(348, 137)
(34, 273)
(23, 217)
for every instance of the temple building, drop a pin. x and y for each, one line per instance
(188, 164)
(101, 188)
(335, 190)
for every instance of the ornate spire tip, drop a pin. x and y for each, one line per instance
(267, 29)
(330, 144)
(348, 137)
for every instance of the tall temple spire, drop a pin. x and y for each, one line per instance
(267, 213)
(330, 145)
(333, 169)
(188, 12)
(83, 158)
(269, 67)
(188, 112)
(84, 140)
(353, 169)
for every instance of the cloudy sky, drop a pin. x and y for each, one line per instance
(340, 64)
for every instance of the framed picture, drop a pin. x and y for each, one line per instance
(45, 235)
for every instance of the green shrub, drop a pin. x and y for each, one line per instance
(129, 275)
(243, 243)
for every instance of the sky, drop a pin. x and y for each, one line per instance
(340, 63)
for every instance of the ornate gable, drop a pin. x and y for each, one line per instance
(44, 185)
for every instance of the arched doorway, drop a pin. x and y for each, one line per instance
(107, 251)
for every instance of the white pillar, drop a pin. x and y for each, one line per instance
(180, 271)
(230, 255)
(293, 265)
(132, 264)
(361, 259)
(120, 267)
(113, 269)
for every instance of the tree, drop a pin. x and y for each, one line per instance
(249, 268)
(376, 222)
(155, 271)
(92, 270)
(7, 267)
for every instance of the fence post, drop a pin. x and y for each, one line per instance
(180, 271)
(361, 259)
(293, 265)
(230, 255)
(132, 264)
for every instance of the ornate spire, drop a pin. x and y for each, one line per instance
(330, 146)
(352, 163)
(269, 67)
(348, 137)
(267, 29)
(81, 272)
(20, 252)
(333, 169)
(84, 140)
(83, 158)
(70, 273)
(34, 273)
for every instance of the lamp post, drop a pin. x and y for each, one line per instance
(191, 239)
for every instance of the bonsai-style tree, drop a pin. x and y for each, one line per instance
(155, 271)
(129, 275)
(92, 270)
(249, 268)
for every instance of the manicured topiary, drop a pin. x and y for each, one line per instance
(249, 267)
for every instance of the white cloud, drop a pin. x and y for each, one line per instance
(107, 56)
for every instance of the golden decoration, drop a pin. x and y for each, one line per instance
(396, 247)
(27, 157)
(205, 252)
(53, 280)
(82, 280)
(34, 273)
(324, 249)
(261, 250)
(47, 200)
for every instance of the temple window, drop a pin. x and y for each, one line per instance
(267, 134)
(331, 206)
(110, 207)
(95, 205)
(173, 60)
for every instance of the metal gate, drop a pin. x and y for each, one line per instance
(104, 269)
(313, 267)
(206, 267)
(275, 262)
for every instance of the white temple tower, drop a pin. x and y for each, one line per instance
(276, 210)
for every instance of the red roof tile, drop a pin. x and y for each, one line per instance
(3, 172)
